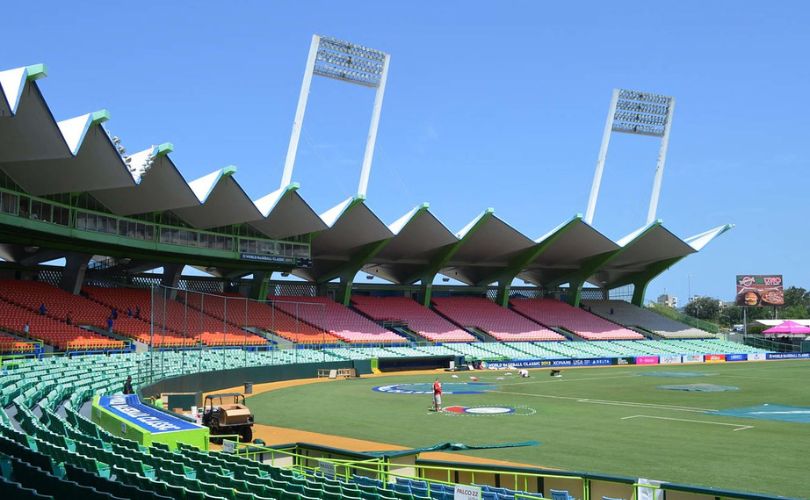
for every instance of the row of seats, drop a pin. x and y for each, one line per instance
(417, 318)
(630, 315)
(555, 313)
(79, 310)
(12, 345)
(14, 318)
(173, 319)
(248, 313)
(500, 323)
(335, 318)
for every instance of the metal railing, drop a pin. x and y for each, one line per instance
(46, 211)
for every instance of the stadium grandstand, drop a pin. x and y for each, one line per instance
(128, 224)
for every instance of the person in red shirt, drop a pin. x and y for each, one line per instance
(437, 395)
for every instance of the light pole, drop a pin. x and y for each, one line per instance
(638, 113)
(348, 62)
(689, 297)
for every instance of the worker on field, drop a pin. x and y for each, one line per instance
(437, 395)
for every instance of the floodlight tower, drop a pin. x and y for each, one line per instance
(640, 113)
(347, 62)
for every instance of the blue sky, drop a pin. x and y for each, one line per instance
(488, 104)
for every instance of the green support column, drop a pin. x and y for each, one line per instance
(639, 288)
(345, 290)
(502, 299)
(575, 292)
(642, 279)
(260, 285)
(427, 292)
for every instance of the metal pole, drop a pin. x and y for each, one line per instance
(224, 327)
(185, 320)
(166, 293)
(244, 328)
(600, 162)
(372, 130)
(199, 340)
(745, 323)
(298, 123)
(659, 168)
(151, 333)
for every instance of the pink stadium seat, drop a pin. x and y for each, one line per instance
(416, 317)
(497, 321)
(337, 319)
(588, 326)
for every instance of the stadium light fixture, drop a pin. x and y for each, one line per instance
(348, 62)
(639, 113)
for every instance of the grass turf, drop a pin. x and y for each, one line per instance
(581, 421)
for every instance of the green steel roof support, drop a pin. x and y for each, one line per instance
(643, 278)
(591, 265)
(432, 269)
(519, 263)
(368, 252)
(348, 271)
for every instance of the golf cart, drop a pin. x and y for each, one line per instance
(226, 413)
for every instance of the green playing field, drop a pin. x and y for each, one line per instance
(609, 420)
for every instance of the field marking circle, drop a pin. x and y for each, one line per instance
(487, 411)
(490, 410)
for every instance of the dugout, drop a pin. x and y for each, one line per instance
(417, 363)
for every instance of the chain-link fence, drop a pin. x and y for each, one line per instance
(198, 326)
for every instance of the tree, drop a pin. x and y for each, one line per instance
(703, 308)
(794, 312)
(797, 296)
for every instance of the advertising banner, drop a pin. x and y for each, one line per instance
(464, 492)
(787, 355)
(127, 417)
(228, 446)
(757, 356)
(714, 358)
(549, 363)
(646, 360)
(754, 290)
(736, 357)
(670, 360)
(692, 358)
(327, 468)
(130, 409)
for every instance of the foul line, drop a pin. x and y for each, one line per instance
(738, 427)
(613, 403)
(558, 380)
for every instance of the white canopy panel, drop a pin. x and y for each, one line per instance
(222, 201)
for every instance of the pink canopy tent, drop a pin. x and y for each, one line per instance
(788, 328)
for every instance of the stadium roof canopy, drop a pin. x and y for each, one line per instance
(43, 156)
